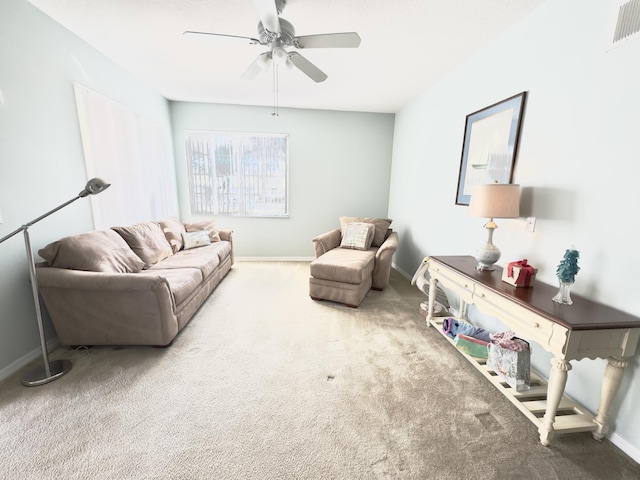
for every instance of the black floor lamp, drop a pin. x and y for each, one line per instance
(49, 371)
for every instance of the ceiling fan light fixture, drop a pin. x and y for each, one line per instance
(279, 56)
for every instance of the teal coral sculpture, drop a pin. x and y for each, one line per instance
(568, 266)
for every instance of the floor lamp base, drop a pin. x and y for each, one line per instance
(38, 376)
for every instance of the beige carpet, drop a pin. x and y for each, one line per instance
(265, 383)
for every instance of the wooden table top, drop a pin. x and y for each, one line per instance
(583, 314)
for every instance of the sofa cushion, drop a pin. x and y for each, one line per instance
(358, 236)
(382, 225)
(344, 265)
(206, 259)
(207, 225)
(195, 239)
(95, 251)
(173, 230)
(182, 282)
(147, 240)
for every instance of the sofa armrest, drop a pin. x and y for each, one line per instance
(227, 235)
(326, 241)
(97, 308)
(382, 268)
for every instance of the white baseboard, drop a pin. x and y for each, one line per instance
(406, 275)
(29, 357)
(625, 446)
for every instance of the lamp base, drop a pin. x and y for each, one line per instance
(38, 376)
(487, 256)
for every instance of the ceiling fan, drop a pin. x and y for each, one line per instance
(278, 34)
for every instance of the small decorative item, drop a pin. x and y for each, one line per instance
(566, 273)
(519, 274)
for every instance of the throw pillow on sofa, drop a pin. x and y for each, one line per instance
(147, 240)
(207, 225)
(173, 231)
(358, 236)
(95, 251)
(196, 239)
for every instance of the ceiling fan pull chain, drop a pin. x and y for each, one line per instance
(275, 90)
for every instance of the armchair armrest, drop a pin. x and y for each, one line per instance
(326, 241)
(382, 268)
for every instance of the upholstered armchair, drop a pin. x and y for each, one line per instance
(352, 259)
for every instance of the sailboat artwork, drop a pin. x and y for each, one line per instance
(490, 145)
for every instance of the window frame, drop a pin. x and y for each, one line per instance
(236, 158)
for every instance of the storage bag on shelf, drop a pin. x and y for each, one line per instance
(510, 358)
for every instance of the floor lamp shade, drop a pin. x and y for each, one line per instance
(493, 201)
(49, 371)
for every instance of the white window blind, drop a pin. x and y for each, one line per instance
(131, 152)
(242, 174)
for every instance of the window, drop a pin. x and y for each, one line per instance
(243, 174)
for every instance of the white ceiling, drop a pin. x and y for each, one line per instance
(407, 46)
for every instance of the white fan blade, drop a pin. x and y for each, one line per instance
(328, 40)
(306, 67)
(258, 66)
(222, 37)
(268, 14)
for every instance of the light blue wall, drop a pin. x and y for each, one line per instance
(41, 159)
(578, 166)
(339, 164)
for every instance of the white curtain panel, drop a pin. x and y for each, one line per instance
(131, 152)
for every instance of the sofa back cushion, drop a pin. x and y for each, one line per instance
(147, 240)
(95, 251)
(173, 230)
(381, 224)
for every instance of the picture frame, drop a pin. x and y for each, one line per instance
(490, 145)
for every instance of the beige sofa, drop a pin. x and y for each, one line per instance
(133, 285)
(352, 259)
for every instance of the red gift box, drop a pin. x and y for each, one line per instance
(519, 273)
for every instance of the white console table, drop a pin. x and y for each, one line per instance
(585, 329)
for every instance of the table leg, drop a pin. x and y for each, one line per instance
(555, 390)
(610, 384)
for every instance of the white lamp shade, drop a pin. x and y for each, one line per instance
(495, 200)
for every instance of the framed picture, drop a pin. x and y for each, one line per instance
(490, 146)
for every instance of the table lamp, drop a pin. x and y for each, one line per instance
(49, 370)
(493, 200)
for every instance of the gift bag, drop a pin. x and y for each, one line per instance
(514, 366)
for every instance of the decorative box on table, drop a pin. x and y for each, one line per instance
(519, 273)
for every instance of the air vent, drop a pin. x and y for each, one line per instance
(626, 24)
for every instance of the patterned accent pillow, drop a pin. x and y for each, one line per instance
(358, 236)
(207, 225)
(381, 224)
(173, 231)
(196, 239)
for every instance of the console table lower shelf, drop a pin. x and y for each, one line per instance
(571, 417)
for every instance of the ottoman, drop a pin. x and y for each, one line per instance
(342, 275)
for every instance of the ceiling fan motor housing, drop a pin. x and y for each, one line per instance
(286, 36)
